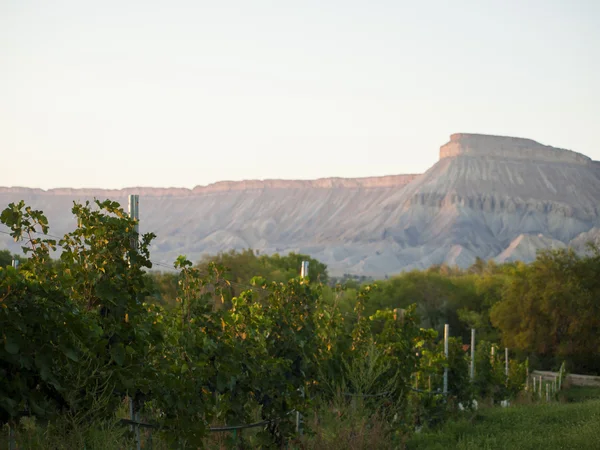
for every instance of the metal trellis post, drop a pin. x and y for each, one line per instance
(303, 274)
(472, 374)
(304, 269)
(446, 337)
(134, 213)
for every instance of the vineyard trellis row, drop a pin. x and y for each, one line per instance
(80, 333)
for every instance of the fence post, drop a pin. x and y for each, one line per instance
(303, 274)
(506, 361)
(131, 413)
(540, 386)
(11, 437)
(304, 269)
(135, 417)
(134, 213)
(472, 354)
(560, 375)
(560, 379)
(547, 392)
(299, 422)
(446, 336)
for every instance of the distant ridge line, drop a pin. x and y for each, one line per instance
(386, 181)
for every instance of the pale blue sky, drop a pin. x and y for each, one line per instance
(181, 93)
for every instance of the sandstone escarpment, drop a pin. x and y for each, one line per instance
(508, 148)
(497, 174)
(388, 181)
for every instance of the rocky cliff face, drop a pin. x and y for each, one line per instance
(488, 196)
(508, 147)
(486, 191)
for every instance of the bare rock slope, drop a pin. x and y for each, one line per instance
(487, 196)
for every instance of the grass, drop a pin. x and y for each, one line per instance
(523, 427)
(580, 394)
(62, 435)
(348, 426)
(574, 423)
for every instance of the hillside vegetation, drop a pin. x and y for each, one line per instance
(546, 311)
(93, 332)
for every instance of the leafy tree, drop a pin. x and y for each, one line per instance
(551, 308)
(163, 287)
(437, 298)
(5, 258)
(243, 266)
(239, 268)
(75, 331)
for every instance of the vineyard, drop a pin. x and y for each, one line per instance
(82, 340)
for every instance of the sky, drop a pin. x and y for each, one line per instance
(181, 93)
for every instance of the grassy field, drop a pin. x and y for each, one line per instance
(574, 425)
(580, 394)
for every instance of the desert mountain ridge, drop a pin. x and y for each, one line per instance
(492, 197)
(224, 186)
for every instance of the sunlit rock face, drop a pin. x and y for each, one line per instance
(491, 197)
(507, 147)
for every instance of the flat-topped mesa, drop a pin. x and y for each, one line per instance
(509, 148)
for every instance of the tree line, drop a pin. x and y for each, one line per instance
(547, 310)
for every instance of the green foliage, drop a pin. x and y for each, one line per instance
(490, 374)
(244, 265)
(443, 296)
(528, 427)
(580, 394)
(459, 385)
(65, 433)
(6, 258)
(350, 424)
(239, 268)
(551, 309)
(224, 363)
(547, 310)
(163, 287)
(82, 332)
(74, 330)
